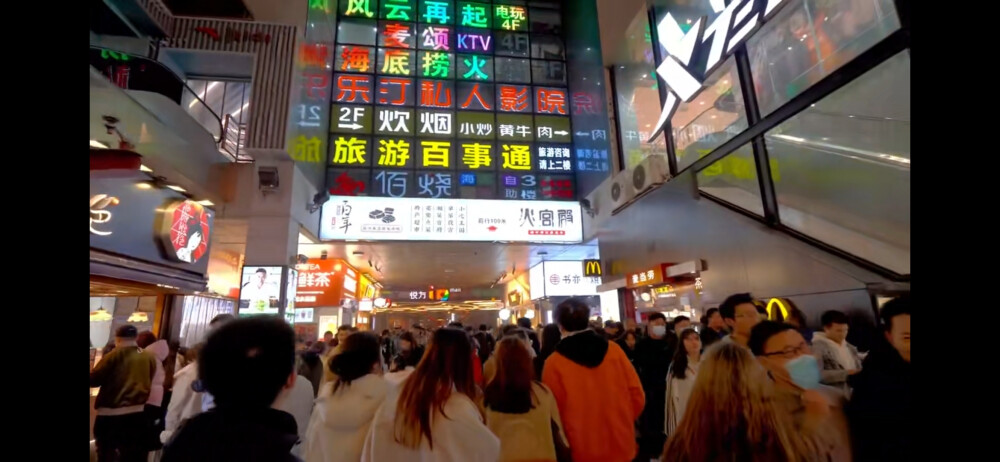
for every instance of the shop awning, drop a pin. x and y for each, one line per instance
(118, 267)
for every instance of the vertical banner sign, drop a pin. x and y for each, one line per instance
(309, 117)
(445, 99)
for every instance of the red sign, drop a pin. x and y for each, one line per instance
(186, 231)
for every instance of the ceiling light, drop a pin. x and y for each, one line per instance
(702, 103)
(789, 48)
(143, 168)
(713, 116)
(138, 316)
(725, 82)
(98, 144)
(206, 203)
(100, 315)
(621, 67)
(689, 21)
(648, 125)
(143, 185)
(176, 188)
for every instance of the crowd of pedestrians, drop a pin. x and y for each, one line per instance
(734, 387)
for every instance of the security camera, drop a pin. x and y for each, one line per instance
(318, 200)
(586, 206)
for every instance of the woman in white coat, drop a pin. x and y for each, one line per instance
(346, 406)
(680, 377)
(433, 415)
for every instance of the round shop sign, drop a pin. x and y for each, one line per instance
(186, 231)
(554, 279)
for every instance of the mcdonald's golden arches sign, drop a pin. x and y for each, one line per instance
(592, 268)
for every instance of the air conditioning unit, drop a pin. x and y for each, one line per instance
(620, 190)
(651, 172)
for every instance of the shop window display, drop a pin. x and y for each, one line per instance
(809, 39)
(844, 167)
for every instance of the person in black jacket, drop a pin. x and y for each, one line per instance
(248, 365)
(525, 324)
(652, 360)
(881, 407)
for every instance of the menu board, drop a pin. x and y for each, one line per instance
(444, 99)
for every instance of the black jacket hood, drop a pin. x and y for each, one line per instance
(223, 435)
(587, 349)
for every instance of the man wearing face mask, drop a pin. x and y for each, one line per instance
(816, 409)
(652, 360)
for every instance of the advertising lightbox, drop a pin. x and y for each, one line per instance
(561, 279)
(413, 219)
(260, 290)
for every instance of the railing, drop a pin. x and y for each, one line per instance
(140, 73)
(235, 139)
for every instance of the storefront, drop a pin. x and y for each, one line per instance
(327, 296)
(553, 282)
(669, 288)
(149, 251)
(147, 243)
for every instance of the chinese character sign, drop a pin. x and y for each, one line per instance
(439, 99)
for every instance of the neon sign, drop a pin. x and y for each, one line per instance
(729, 29)
(99, 216)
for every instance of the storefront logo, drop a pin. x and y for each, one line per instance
(733, 25)
(187, 231)
(592, 268)
(98, 214)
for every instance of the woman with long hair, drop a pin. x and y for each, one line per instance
(733, 416)
(681, 377)
(432, 415)
(344, 412)
(522, 412)
(628, 342)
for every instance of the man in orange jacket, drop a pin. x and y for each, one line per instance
(584, 369)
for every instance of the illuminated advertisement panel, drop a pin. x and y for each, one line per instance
(446, 99)
(428, 219)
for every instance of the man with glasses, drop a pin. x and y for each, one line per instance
(816, 409)
(740, 315)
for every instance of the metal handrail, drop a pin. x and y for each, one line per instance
(218, 137)
(238, 141)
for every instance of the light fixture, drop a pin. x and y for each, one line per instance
(143, 185)
(176, 188)
(98, 144)
(143, 168)
(206, 202)
(100, 315)
(789, 48)
(530, 314)
(138, 316)
(504, 314)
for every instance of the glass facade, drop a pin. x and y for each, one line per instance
(845, 166)
(715, 116)
(837, 172)
(809, 39)
(638, 95)
(734, 179)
